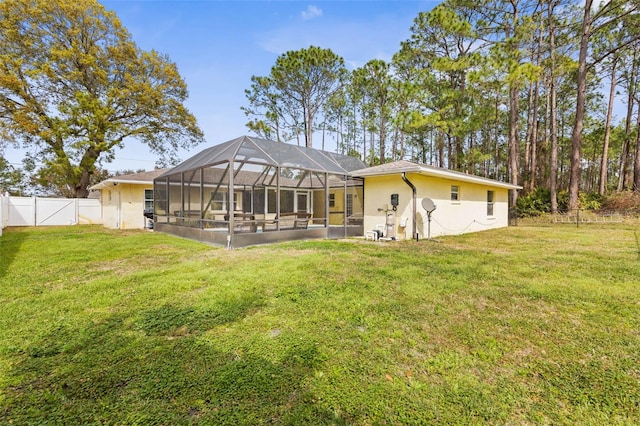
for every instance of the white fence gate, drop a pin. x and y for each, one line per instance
(36, 211)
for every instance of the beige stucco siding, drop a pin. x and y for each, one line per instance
(468, 214)
(123, 205)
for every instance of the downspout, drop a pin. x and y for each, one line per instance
(413, 189)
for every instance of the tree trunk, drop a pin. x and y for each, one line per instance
(364, 140)
(533, 165)
(528, 138)
(308, 127)
(440, 142)
(626, 143)
(394, 144)
(496, 137)
(576, 135)
(534, 139)
(383, 137)
(513, 143)
(81, 190)
(451, 149)
(636, 162)
(553, 124)
(607, 130)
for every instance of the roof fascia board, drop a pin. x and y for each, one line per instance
(413, 169)
(105, 183)
(445, 174)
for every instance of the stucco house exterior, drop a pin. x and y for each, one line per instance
(286, 192)
(124, 199)
(463, 203)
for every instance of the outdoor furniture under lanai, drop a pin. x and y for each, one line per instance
(243, 222)
(287, 221)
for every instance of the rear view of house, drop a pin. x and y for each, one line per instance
(252, 191)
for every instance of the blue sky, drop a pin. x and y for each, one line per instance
(218, 45)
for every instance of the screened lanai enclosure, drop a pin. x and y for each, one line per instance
(253, 191)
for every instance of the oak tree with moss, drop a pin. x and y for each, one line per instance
(74, 87)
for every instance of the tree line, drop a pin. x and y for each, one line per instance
(516, 90)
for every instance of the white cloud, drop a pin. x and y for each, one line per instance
(311, 12)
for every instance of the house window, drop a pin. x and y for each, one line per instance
(286, 201)
(219, 201)
(290, 201)
(302, 202)
(490, 196)
(349, 209)
(258, 200)
(332, 200)
(455, 193)
(272, 201)
(148, 199)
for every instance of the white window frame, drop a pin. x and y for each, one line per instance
(491, 197)
(455, 194)
(223, 202)
(296, 208)
(348, 209)
(148, 202)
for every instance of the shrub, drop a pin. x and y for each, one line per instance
(538, 202)
(535, 203)
(590, 200)
(626, 201)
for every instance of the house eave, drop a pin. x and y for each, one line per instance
(114, 182)
(437, 173)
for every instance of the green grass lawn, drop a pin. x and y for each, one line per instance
(522, 325)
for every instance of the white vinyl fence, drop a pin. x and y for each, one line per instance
(37, 211)
(4, 212)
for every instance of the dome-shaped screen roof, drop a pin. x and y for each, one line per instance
(262, 151)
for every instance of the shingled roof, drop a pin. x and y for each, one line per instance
(134, 178)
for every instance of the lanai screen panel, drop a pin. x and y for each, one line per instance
(215, 189)
(192, 198)
(161, 200)
(254, 186)
(176, 208)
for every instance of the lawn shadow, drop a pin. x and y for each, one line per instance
(114, 372)
(172, 319)
(10, 243)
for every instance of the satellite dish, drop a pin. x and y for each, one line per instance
(428, 205)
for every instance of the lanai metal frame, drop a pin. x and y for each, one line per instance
(250, 191)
